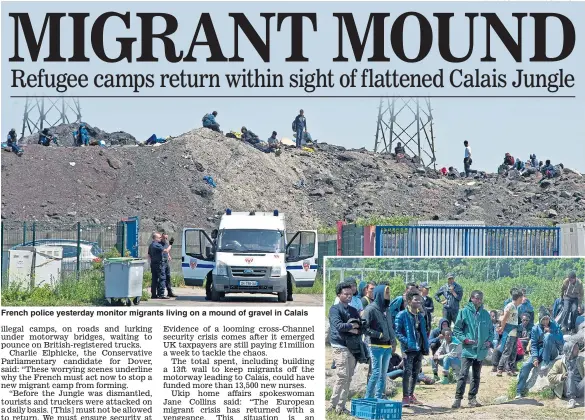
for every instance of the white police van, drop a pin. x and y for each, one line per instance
(250, 254)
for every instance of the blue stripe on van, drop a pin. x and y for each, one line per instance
(300, 267)
(186, 265)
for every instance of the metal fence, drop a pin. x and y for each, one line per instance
(460, 241)
(80, 242)
(352, 240)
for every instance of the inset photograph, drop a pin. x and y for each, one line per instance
(413, 337)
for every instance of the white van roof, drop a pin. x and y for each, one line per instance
(258, 220)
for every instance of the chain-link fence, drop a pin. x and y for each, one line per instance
(81, 244)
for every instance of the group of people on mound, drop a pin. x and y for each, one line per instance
(531, 167)
(272, 144)
(366, 326)
(80, 136)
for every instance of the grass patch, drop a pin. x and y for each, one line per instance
(512, 388)
(327, 230)
(88, 290)
(328, 393)
(316, 289)
(384, 221)
(546, 394)
(177, 280)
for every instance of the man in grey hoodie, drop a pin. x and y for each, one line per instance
(382, 339)
(567, 376)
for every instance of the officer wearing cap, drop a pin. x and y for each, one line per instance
(450, 295)
(428, 305)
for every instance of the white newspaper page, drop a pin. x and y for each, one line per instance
(243, 210)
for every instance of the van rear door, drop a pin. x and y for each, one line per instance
(301, 257)
(198, 257)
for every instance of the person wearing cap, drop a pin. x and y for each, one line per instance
(546, 343)
(572, 295)
(300, 127)
(11, 141)
(450, 295)
(428, 305)
(209, 121)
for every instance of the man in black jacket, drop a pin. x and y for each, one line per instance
(428, 305)
(382, 339)
(450, 295)
(340, 329)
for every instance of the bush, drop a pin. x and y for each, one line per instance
(542, 277)
(88, 290)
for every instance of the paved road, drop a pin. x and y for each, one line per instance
(195, 296)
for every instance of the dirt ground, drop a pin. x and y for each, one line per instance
(437, 400)
(188, 296)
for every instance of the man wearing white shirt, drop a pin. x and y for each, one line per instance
(467, 160)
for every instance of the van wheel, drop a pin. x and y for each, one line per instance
(282, 296)
(215, 295)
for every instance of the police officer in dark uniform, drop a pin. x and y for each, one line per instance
(155, 254)
(208, 283)
(166, 263)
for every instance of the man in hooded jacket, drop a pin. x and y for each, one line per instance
(567, 376)
(382, 339)
(474, 329)
(546, 342)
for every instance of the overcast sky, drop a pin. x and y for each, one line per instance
(552, 127)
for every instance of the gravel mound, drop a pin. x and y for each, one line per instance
(165, 184)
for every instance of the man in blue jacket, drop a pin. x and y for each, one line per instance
(411, 331)
(12, 141)
(300, 127)
(339, 331)
(209, 121)
(546, 343)
(399, 302)
(450, 295)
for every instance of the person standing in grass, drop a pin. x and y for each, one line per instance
(474, 329)
(509, 331)
(381, 333)
(340, 331)
(450, 295)
(411, 331)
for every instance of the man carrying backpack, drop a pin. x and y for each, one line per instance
(299, 126)
(209, 121)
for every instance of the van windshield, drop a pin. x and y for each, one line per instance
(250, 240)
